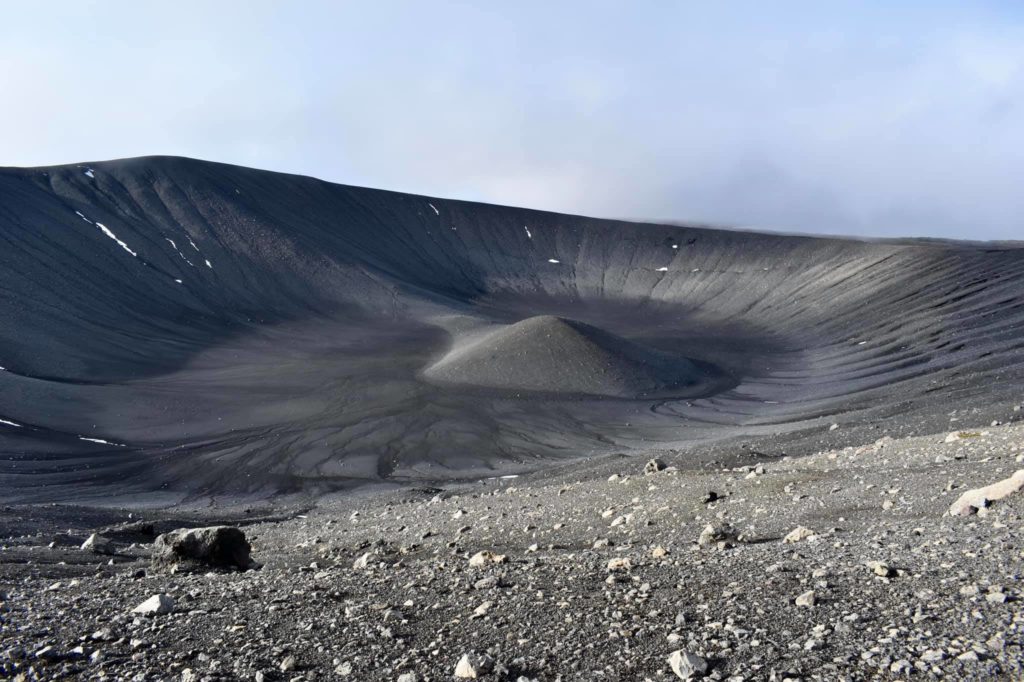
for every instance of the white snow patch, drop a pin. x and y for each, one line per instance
(88, 173)
(675, 246)
(100, 441)
(192, 243)
(554, 260)
(15, 424)
(108, 233)
(208, 265)
(178, 281)
(436, 212)
(528, 235)
(662, 269)
(183, 256)
(114, 237)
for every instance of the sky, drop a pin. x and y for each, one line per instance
(861, 118)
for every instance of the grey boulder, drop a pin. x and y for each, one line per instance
(216, 546)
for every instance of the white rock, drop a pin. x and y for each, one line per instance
(363, 561)
(808, 598)
(901, 667)
(973, 500)
(98, 544)
(47, 652)
(472, 666)
(686, 666)
(797, 534)
(724, 535)
(880, 568)
(158, 604)
(485, 557)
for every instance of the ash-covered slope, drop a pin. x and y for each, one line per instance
(555, 356)
(193, 327)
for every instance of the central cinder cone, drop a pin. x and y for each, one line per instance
(554, 355)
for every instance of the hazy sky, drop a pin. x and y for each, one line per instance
(870, 118)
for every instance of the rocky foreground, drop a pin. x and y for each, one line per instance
(843, 565)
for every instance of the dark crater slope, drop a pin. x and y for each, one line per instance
(182, 328)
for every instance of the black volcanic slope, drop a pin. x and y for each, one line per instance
(190, 327)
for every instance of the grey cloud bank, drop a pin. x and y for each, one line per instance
(817, 117)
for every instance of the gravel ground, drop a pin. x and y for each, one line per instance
(587, 575)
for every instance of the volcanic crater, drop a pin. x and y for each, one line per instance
(180, 329)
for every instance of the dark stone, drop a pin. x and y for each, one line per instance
(654, 466)
(131, 531)
(216, 546)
